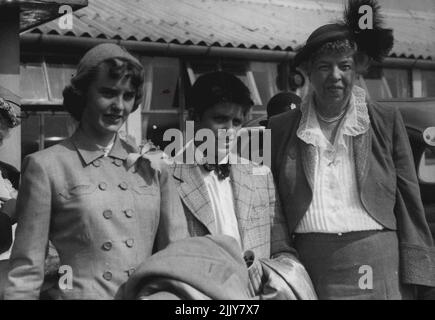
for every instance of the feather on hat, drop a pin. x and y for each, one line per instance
(376, 42)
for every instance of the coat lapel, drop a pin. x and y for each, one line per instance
(309, 162)
(242, 195)
(361, 149)
(193, 193)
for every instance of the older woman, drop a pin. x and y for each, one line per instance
(346, 177)
(103, 216)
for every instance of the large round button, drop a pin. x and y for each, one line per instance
(102, 186)
(129, 243)
(107, 245)
(97, 163)
(123, 185)
(107, 275)
(107, 214)
(128, 213)
(117, 162)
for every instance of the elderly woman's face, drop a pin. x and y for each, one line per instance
(108, 103)
(332, 77)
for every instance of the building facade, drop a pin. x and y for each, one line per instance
(179, 40)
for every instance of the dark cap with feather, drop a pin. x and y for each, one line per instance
(375, 42)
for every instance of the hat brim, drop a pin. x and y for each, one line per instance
(314, 44)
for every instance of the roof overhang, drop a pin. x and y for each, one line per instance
(34, 13)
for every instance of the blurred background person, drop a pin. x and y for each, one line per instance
(9, 179)
(279, 103)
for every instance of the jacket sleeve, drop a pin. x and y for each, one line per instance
(416, 244)
(28, 252)
(172, 224)
(5, 232)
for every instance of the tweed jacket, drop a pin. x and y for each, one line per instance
(387, 183)
(103, 217)
(261, 224)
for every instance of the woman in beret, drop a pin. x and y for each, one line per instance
(103, 215)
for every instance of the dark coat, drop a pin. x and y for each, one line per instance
(387, 181)
(13, 175)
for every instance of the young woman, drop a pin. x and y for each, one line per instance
(103, 216)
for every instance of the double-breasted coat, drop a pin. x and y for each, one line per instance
(103, 217)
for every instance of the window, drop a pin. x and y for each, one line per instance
(399, 82)
(384, 83)
(428, 83)
(163, 73)
(33, 84)
(265, 75)
(59, 76)
(43, 129)
(42, 82)
(161, 108)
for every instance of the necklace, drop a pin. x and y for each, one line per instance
(333, 119)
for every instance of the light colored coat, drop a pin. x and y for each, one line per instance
(103, 218)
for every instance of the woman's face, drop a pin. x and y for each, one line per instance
(332, 77)
(108, 104)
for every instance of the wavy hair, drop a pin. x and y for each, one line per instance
(74, 95)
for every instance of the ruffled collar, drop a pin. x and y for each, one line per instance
(356, 120)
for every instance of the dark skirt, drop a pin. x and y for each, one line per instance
(353, 265)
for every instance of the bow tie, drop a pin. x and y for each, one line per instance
(222, 170)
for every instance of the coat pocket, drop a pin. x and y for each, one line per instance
(77, 190)
(144, 189)
(385, 189)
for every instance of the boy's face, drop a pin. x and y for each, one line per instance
(227, 116)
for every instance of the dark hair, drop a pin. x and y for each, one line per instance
(74, 95)
(217, 87)
(337, 47)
